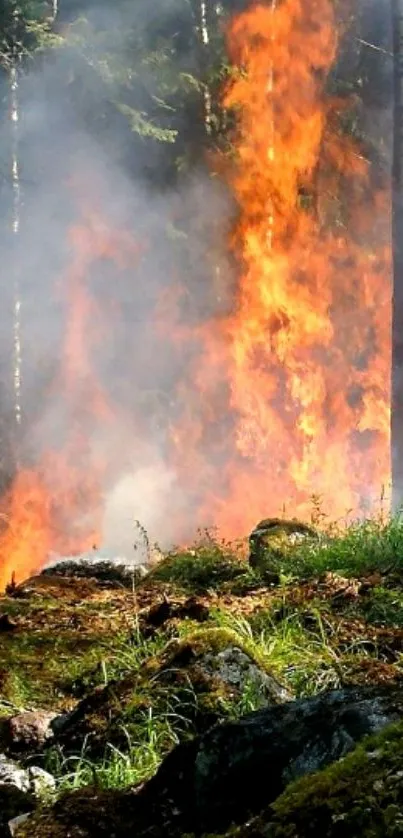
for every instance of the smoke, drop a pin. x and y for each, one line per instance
(151, 496)
(103, 248)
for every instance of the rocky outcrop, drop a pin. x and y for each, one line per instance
(227, 664)
(237, 768)
(360, 796)
(107, 572)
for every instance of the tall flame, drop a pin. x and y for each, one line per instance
(307, 348)
(311, 332)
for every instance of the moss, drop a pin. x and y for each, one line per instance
(213, 567)
(65, 629)
(361, 795)
(208, 640)
(180, 682)
(274, 541)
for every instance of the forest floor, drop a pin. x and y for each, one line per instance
(128, 656)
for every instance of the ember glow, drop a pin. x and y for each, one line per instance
(289, 395)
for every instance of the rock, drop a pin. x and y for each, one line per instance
(237, 768)
(238, 671)
(362, 795)
(160, 612)
(273, 539)
(30, 730)
(19, 790)
(107, 571)
(40, 781)
(205, 674)
(29, 780)
(219, 666)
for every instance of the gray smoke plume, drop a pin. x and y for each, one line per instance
(96, 226)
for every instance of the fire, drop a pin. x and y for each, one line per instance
(56, 506)
(305, 354)
(310, 335)
(288, 396)
(43, 515)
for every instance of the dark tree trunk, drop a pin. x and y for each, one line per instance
(397, 232)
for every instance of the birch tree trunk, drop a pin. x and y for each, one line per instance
(15, 226)
(397, 236)
(205, 36)
(10, 59)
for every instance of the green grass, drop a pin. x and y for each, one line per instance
(384, 606)
(356, 549)
(117, 768)
(360, 548)
(303, 660)
(297, 643)
(214, 566)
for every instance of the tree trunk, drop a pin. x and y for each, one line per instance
(397, 234)
(205, 38)
(16, 213)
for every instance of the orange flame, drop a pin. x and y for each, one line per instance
(307, 349)
(310, 338)
(57, 505)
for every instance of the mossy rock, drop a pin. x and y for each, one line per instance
(204, 675)
(220, 666)
(273, 541)
(361, 796)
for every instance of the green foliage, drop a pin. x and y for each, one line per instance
(360, 548)
(25, 28)
(149, 72)
(215, 566)
(384, 606)
(139, 123)
(116, 768)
